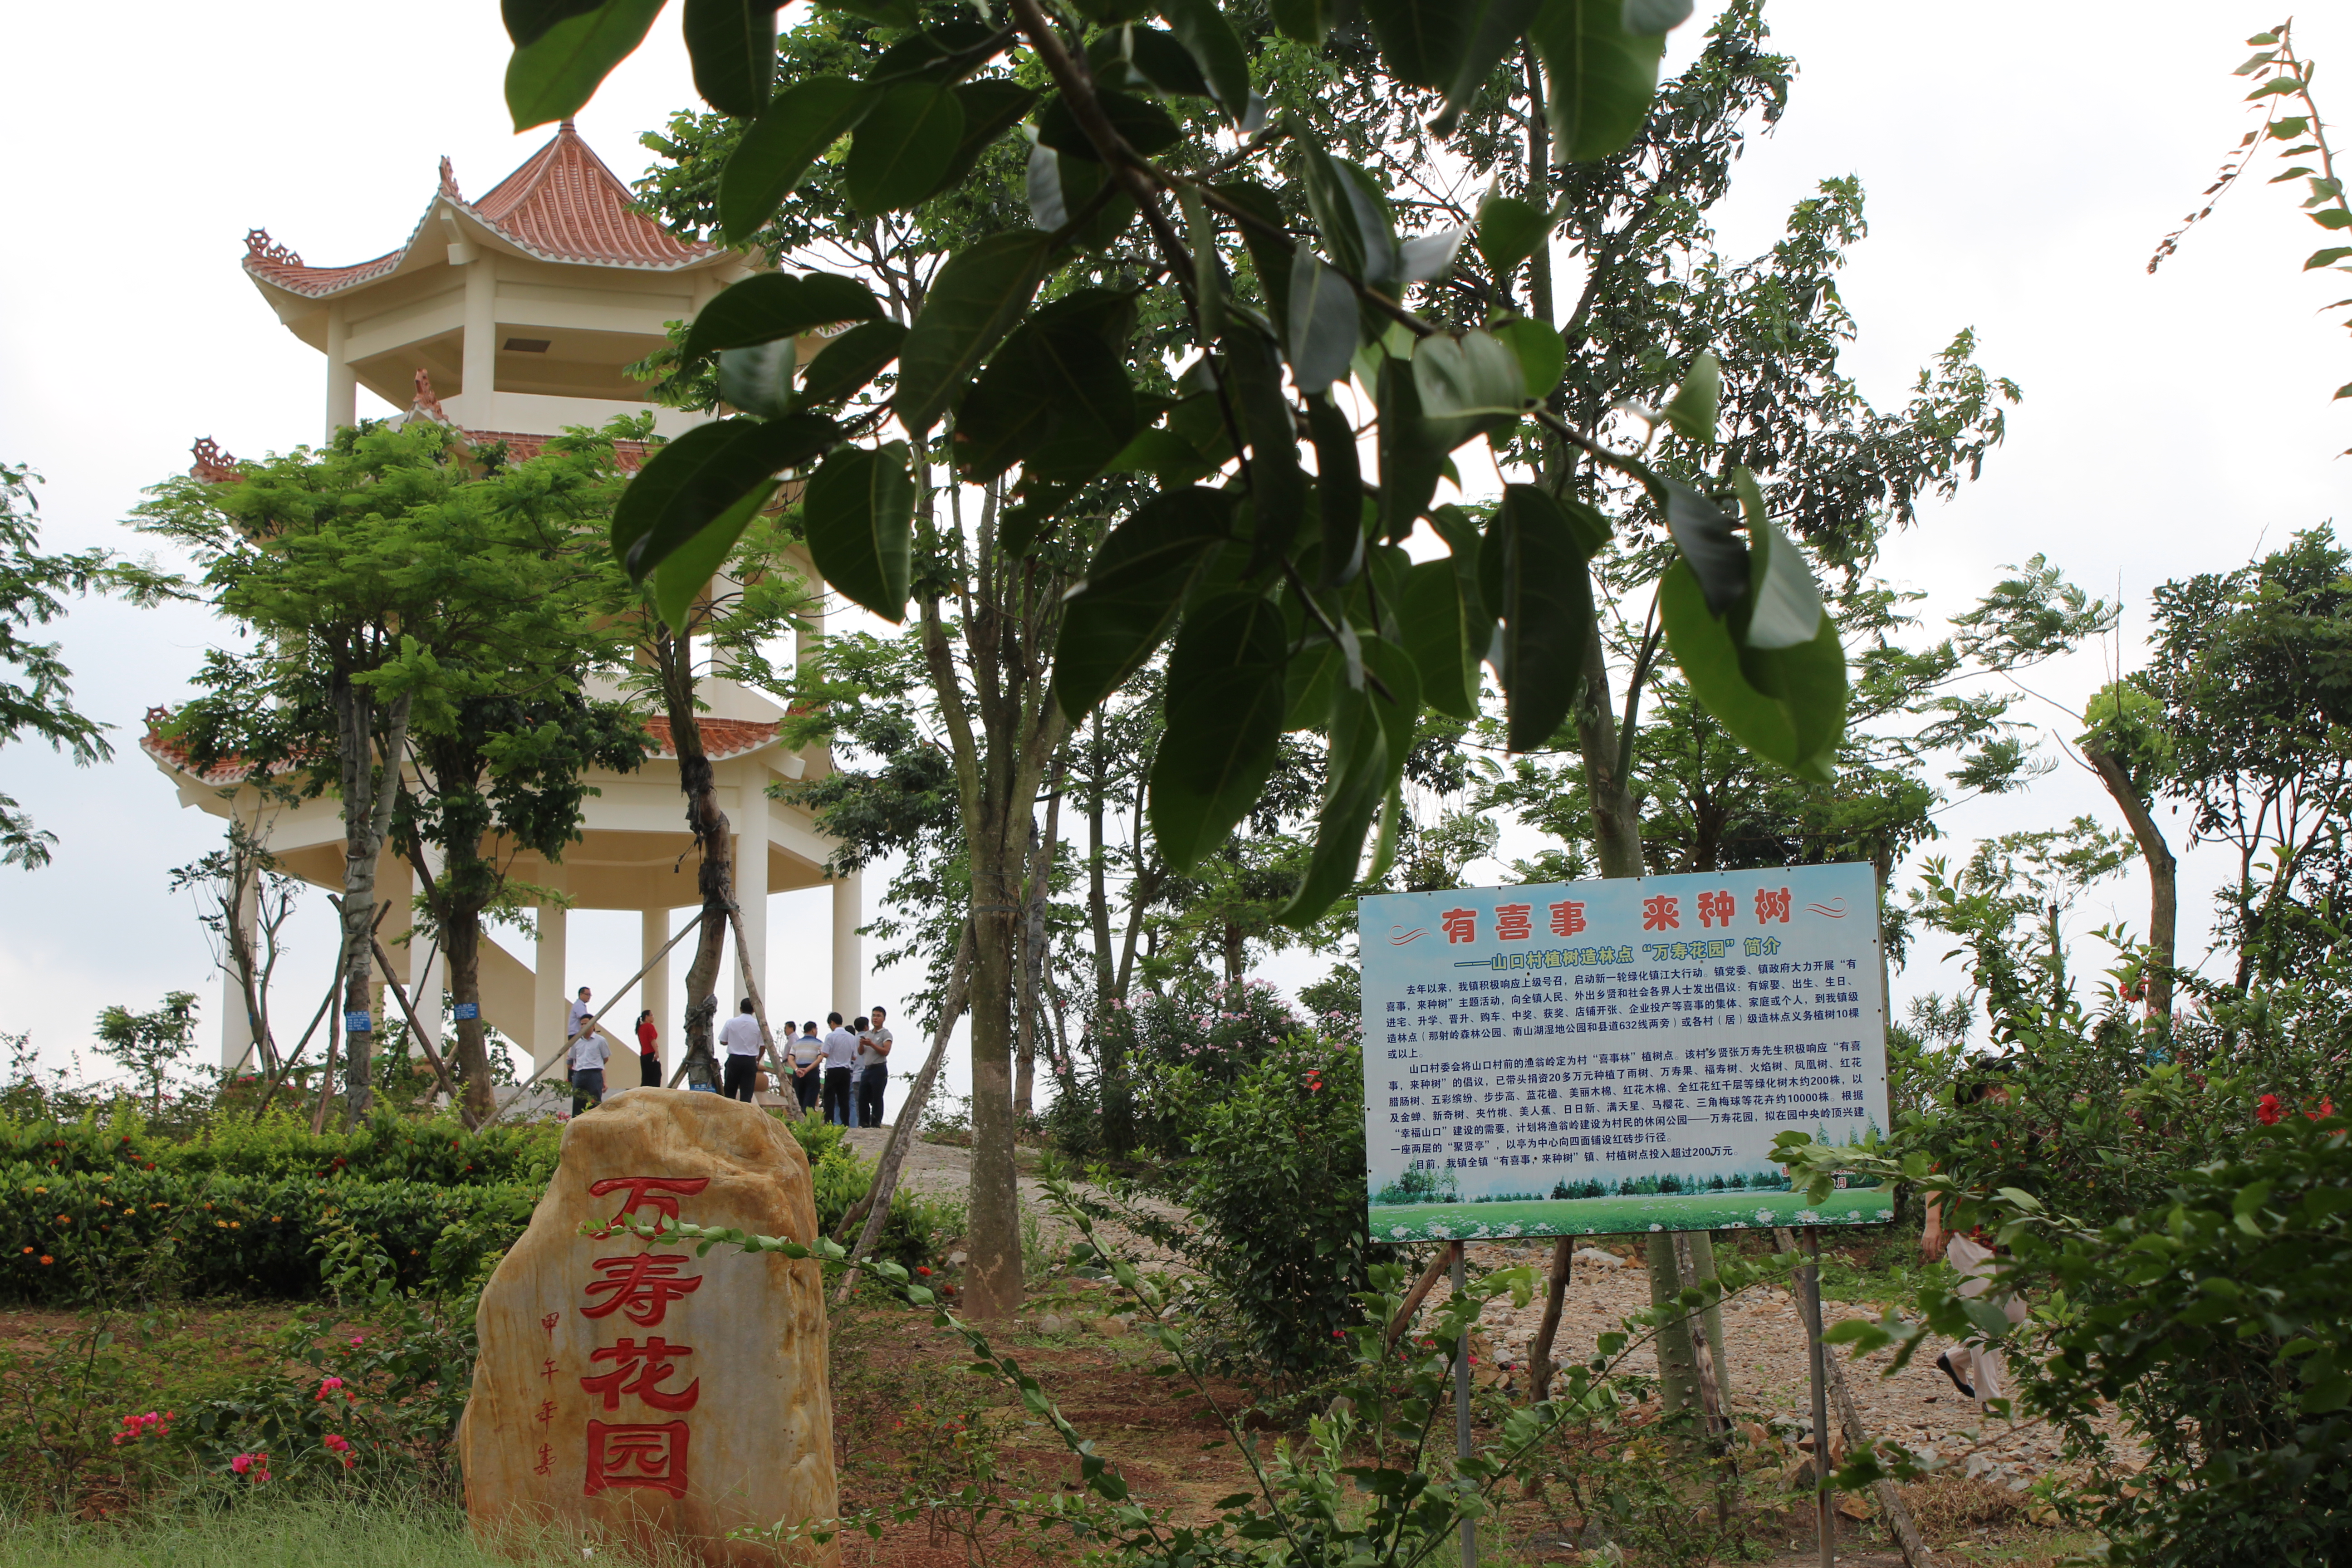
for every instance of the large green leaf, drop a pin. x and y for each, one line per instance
(772, 305)
(732, 44)
(759, 379)
(796, 129)
(1692, 409)
(1509, 231)
(561, 68)
(902, 150)
(1423, 40)
(1600, 77)
(1537, 584)
(1056, 397)
(860, 512)
(1794, 716)
(850, 360)
(1277, 485)
(1411, 457)
(1136, 55)
(1467, 385)
(1144, 125)
(687, 571)
(973, 301)
(527, 19)
(1438, 630)
(1542, 354)
(1269, 254)
(1370, 731)
(1114, 618)
(1702, 533)
(1305, 20)
(1495, 29)
(1203, 29)
(1225, 723)
(1322, 324)
(1338, 489)
(1352, 216)
(693, 480)
(991, 107)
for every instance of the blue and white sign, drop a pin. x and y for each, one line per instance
(1598, 1057)
(467, 1010)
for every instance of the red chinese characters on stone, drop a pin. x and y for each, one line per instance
(1771, 904)
(1716, 907)
(549, 1322)
(636, 1454)
(1461, 925)
(546, 1465)
(641, 1286)
(659, 1193)
(639, 1370)
(1662, 912)
(1511, 922)
(1567, 917)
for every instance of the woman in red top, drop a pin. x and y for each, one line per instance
(646, 1035)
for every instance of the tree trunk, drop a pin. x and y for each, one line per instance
(461, 950)
(2163, 877)
(1539, 1363)
(367, 815)
(715, 878)
(1030, 939)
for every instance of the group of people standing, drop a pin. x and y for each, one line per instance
(846, 1070)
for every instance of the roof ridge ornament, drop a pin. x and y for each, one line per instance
(450, 180)
(427, 404)
(212, 466)
(259, 247)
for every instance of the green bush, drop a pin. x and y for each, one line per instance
(1273, 1168)
(281, 1147)
(239, 1235)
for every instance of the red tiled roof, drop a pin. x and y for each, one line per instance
(721, 738)
(563, 205)
(173, 754)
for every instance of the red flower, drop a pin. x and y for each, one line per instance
(922, 1268)
(2266, 1110)
(2326, 1108)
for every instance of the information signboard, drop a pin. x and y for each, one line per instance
(1597, 1057)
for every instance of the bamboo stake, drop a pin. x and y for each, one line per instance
(627, 986)
(415, 1028)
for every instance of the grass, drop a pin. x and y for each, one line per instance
(292, 1532)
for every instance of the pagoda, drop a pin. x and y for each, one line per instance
(511, 318)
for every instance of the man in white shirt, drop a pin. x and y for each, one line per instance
(872, 1070)
(584, 1018)
(740, 1035)
(808, 1078)
(587, 1060)
(840, 1059)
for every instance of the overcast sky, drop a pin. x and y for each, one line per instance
(2020, 162)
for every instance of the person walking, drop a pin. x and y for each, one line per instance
(649, 1059)
(840, 1058)
(740, 1035)
(807, 1052)
(872, 1070)
(586, 1062)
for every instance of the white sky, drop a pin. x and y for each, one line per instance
(2020, 164)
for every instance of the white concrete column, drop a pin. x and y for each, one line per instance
(342, 381)
(550, 998)
(849, 955)
(480, 363)
(751, 877)
(652, 991)
(238, 1053)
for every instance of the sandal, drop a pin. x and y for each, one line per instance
(1943, 1365)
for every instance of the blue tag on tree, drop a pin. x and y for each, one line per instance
(357, 1023)
(468, 1010)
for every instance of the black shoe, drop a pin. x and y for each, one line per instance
(1943, 1365)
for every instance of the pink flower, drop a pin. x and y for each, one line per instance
(253, 1466)
(2266, 1110)
(340, 1444)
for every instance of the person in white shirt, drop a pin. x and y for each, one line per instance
(872, 1070)
(840, 1058)
(740, 1035)
(587, 1060)
(584, 1018)
(807, 1052)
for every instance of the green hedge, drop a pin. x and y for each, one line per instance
(68, 1234)
(282, 1147)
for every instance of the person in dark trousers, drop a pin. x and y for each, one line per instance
(587, 1065)
(840, 1057)
(808, 1055)
(872, 1070)
(649, 1058)
(740, 1035)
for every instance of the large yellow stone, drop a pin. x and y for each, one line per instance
(637, 1389)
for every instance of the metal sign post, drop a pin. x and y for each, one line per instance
(1809, 1276)
(1462, 1410)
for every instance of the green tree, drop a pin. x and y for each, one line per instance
(35, 686)
(387, 581)
(148, 1044)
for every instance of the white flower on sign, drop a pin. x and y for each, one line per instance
(1398, 1231)
(1658, 1227)
(1763, 1217)
(1807, 1217)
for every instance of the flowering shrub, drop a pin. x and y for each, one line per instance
(1213, 1031)
(281, 1147)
